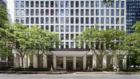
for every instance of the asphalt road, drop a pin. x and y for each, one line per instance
(68, 76)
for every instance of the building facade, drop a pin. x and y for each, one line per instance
(69, 18)
(3, 2)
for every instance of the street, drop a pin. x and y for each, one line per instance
(68, 76)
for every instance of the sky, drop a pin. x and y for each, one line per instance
(10, 6)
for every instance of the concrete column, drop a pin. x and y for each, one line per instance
(16, 60)
(28, 60)
(25, 62)
(44, 60)
(104, 45)
(74, 62)
(94, 45)
(35, 61)
(64, 62)
(94, 62)
(125, 62)
(115, 61)
(54, 61)
(105, 61)
(84, 62)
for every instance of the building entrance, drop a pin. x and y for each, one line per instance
(69, 63)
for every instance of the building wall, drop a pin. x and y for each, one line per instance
(3, 2)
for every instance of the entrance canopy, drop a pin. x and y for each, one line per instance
(69, 52)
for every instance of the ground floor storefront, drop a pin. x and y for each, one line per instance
(68, 60)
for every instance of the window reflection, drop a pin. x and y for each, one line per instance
(117, 4)
(87, 20)
(87, 12)
(67, 12)
(37, 11)
(61, 3)
(97, 12)
(102, 12)
(27, 20)
(42, 20)
(67, 3)
(117, 20)
(67, 20)
(112, 20)
(52, 11)
(62, 28)
(32, 20)
(37, 20)
(32, 11)
(87, 3)
(42, 3)
(22, 20)
(117, 12)
(62, 20)
(52, 4)
(17, 19)
(57, 20)
(72, 12)
(57, 28)
(47, 20)
(32, 3)
(102, 4)
(17, 4)
(22, 12)
(77, 11)
(77, 4)
(67, 28)
(27, 3)
(122, 12)
(37, 3)
(107, 20)
(97, 3)
(62, 12)
(92, 12)
(77, 28)
(92, 4)
(57, 12)
(47, 11)
(102, 20)
(82, 20)
(22, 4)
(72, 3)
(56, 3)
(82, 12)
(107, 12)
(47, 3)
(112, 12)
(42, 11)
(72, 28)
(82, 3)
(52, 20)
(82, 28)
(17, 12)
(97, 20)
(92, 20)
(122, 4)
(77, 20)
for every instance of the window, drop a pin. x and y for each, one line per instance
(37, 3)
(47, 3)
(37, 20)
(92, 12)
(117, 20)
(62, 20)
(17, 4)
(72, 28)
(42, 27)
(77, 12)
(47, 11)
(87, 27)
(82, 3)
(117, 27)
(67, 28)
(107, 20)
(62, 28)
(112, 12)
(67, 3)
(42, 4)
(32, 3)
(92, 4)
(107, 12)
(112, 20)
(57, 20)
(97, 3)
(82, 20)
(77, 4)
(27, 20)
(27, 3)
(52, 11)
(57, 28)
(102, 12)
(42, 20)
(77, 28)
(52, 4)
(56, 3)
(62, 12)
(77, 20)
(117, 12)
(72, 45)
(17, 19)
(52, 20)
(97, 12)
(52, 28)
(117, 4)
(122, 28)
(27, 11)
(122, 12)
(102, 27)
(112, 27)
(72, 3)
(82, 12)
(72, 11)
(102, 4)
(22, 4)
(42, 11)
(32, 11)
(47, 27)
(47, 20)
(122, 20)
(72, 20)
(107, 27)
(57, 12)
(92, 26)
(67, 20)
(22, 12)
(92, 20)
(37, 11)
(102, 20)
(87, 20)
(87, 12)
(62, 44)
(97, 20)
(82, 28)
(67, 36)
(87, 3)
(112, 5)
(107, 4)
(17, 12)
(32, 20)
(122, 4)
(61, 3)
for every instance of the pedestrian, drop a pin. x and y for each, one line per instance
(51, 68)
(88, 69)
(117, 68)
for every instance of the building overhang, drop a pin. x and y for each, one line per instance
(69, 52)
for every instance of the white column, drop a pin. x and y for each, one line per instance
(105, 61)
(54, 61)
(44, 60)
(16, 60)
(94, 62)
(115, 61)
(28, 60)
(74, 62)
(25, 62)
(35, 61)
(125, 62)
(64, 62)
(84, 62)
(94, 45)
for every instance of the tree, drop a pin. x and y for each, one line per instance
(101, 37)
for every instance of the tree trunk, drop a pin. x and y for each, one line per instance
(22, 61)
